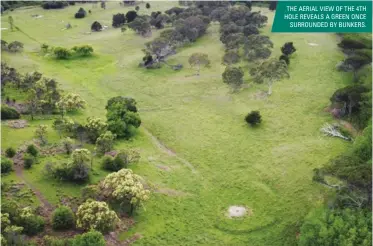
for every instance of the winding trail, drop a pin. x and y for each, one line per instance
(168, 151)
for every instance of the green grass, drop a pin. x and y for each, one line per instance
(268, 169)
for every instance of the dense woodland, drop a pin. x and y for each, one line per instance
(344, 217)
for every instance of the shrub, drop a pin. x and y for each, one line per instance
(96, 26)
(147, 5)
(9, 113)
(89, 238)
(32, 150)
(233, 76)
(52, 241)
(63, 218)
(68, 145)
(96, 215)
(253, 118)
(80, 14)
(107, 163)
(84, 50)
(10, 152)
(15, 46)
(61, 53)
(90, 192)
(104, 142)
(28, 160)
(137, 8)
(285, 58)
(113, 164)
(6, 165)
(31, 223)
(288, 48)
(54, 5)
(131, 16)
(118, 20)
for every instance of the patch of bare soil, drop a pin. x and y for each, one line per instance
(238, 211)
(260, 95)
(164, 168)
(17, 123)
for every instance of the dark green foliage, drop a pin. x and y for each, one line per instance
(118, 20)
(6, 165)
(83, 50)
(121, 116)
(337, 227)
(10, 152)
(233, 76)
(191, 28)
(63, 218)
(28, 160)
(80, 14)
(9, 113)
(32, 225)
(137, 8)
(52, 241)
(15, 46)
(32, 150)
(272, 5)
(61, 53)
(355, 41)
(54, 5)
(288, 48)
(253, 118)
(250, 30)
(92, 238)
(90, 192)
(147, 5)
(131, 16)
(96, 26)
(113, 164)
(231, 57)
(285, 58)
(10, 207)
(140, 25)
(174, 10)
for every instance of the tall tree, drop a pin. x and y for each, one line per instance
(199, 60)
(269, 72)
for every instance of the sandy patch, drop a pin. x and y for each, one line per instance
(238, 211)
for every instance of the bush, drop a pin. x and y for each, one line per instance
(96, 215)
(84, 50)
(113, 164)
(285, 58)
(52, 241)
(89, 239)
(147, 5)
(28, 160)
(96, 26)
(32, 150)
(80, 14)
(63, 218)
(6, 165)
(31, 223)
(137, 8)
(131, 16)
(61, 53)
(118, 20)
(55, 5)
(8, 113)
(68, 145)
(10, 152)
(15, 46)
(90, 192)
(253, 118)
(104, 143)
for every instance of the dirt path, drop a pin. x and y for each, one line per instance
(18, 168)
(168, 151)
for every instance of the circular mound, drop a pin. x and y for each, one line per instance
(236, 211)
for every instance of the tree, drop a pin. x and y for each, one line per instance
(355, 62)
(96, 215)
(288, 48)
(285, 58)
(89, 238)
(191, 28)
(96, 26)
(131, 16)
(233, 41)
(270, 71)
(68, 145)
(217, 13)
(125, 187)
(104, 143)
(32, 150)
(63, 218)
(6, 165)
(199, 59)
(231, 57)
(103, 4)
(122, 116)
(233, 77)
(250, 29)
(80, 14)
(272, 5)
(41, 133)
(140, 25)
(95, 127)
(31, 223)
(15, 46)
(257, 47)
(29, 80)
(28, 160)
(118, 20)
(10, 152)
(336, 227)
(137, 8)
(70, 102)
(147, 5)
(253, 118)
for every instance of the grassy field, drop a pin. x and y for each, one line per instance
(268, 169)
